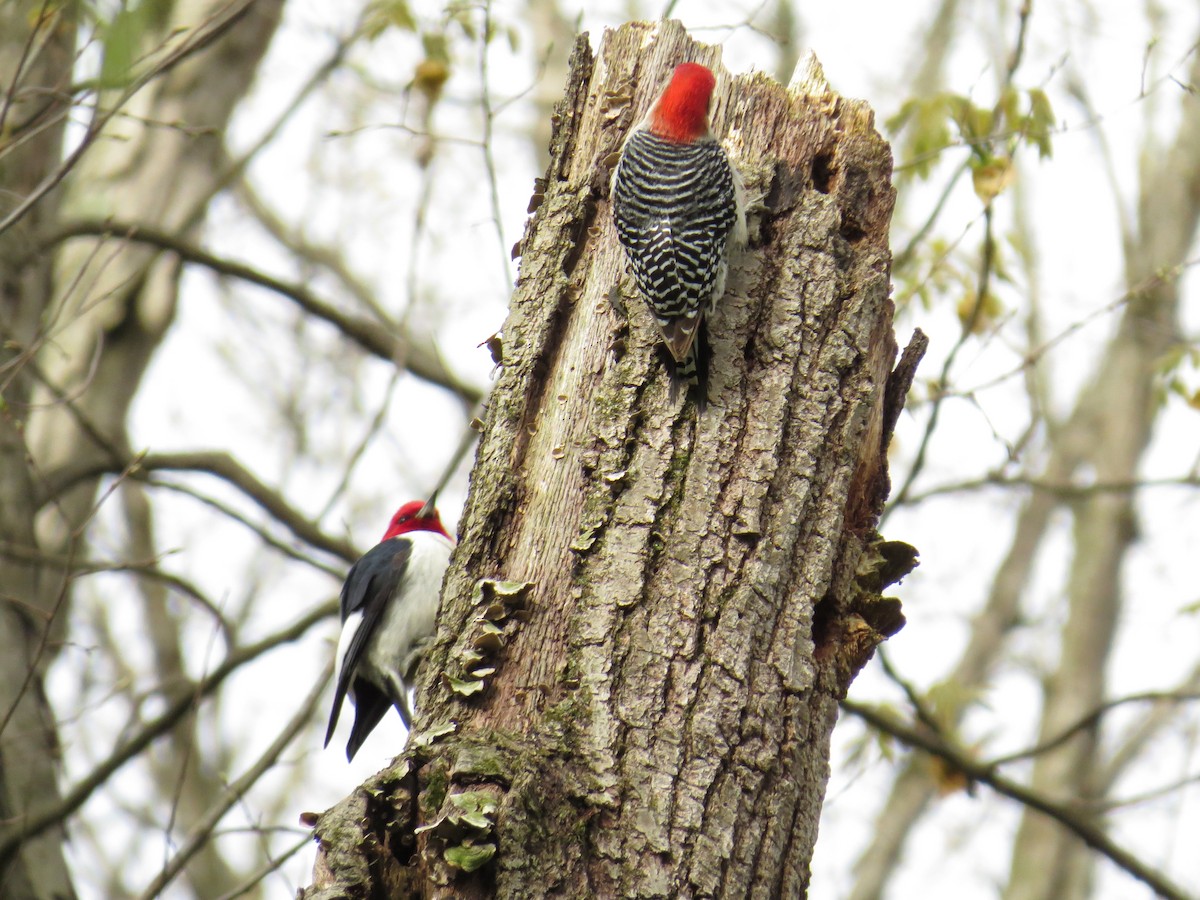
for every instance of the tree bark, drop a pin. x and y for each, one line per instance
(651, 616)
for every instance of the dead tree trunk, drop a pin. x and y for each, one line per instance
(651, 616)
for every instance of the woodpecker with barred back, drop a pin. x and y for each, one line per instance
(679, 204)
(389, 608)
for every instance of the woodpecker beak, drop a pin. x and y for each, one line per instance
(430, 507)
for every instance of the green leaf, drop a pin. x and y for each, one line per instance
(974, 123)
(436, 46)
(1009, 106)
(430, 76)
(992, 178)
(121, 39)
(463, 15)
(981, 319)
(947, 699)
(1040, 122)
(381, 15)
(928, 127)
(896, 122)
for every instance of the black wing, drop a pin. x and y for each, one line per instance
(371, 582)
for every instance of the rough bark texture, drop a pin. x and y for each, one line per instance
(650, 617)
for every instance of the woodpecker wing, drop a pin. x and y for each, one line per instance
(674, 206)
(369, 586)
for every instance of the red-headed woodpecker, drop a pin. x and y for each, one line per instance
(389, 608)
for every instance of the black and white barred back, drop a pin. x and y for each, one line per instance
(674, 206)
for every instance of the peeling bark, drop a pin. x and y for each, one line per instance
(651, 616)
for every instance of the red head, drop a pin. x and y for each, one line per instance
(681, 113)
(416, 515)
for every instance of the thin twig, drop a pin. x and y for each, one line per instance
(142, 568)
(34, 823)
(197, 40)
(1064, 490)
(40, 19)
(489, 159)
(272, 865)
(1069, 818)
(228, 469)
(1090, 719)
(968, 328)
(202, 832)
(388, 342)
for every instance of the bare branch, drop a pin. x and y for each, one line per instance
(1063, 490)
(227, 468)
(326, 257)
(202, 832)
(968, 328)
(272, 865)
(1066, 816)
(489, 158)
(1089, 720)
(1138, 736)
(228, 511)
(203, 35)
(388, 343)
(148, 568)
(36, 822)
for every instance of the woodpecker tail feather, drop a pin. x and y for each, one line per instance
(691, 373)
(370, 704)
(679, 333)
